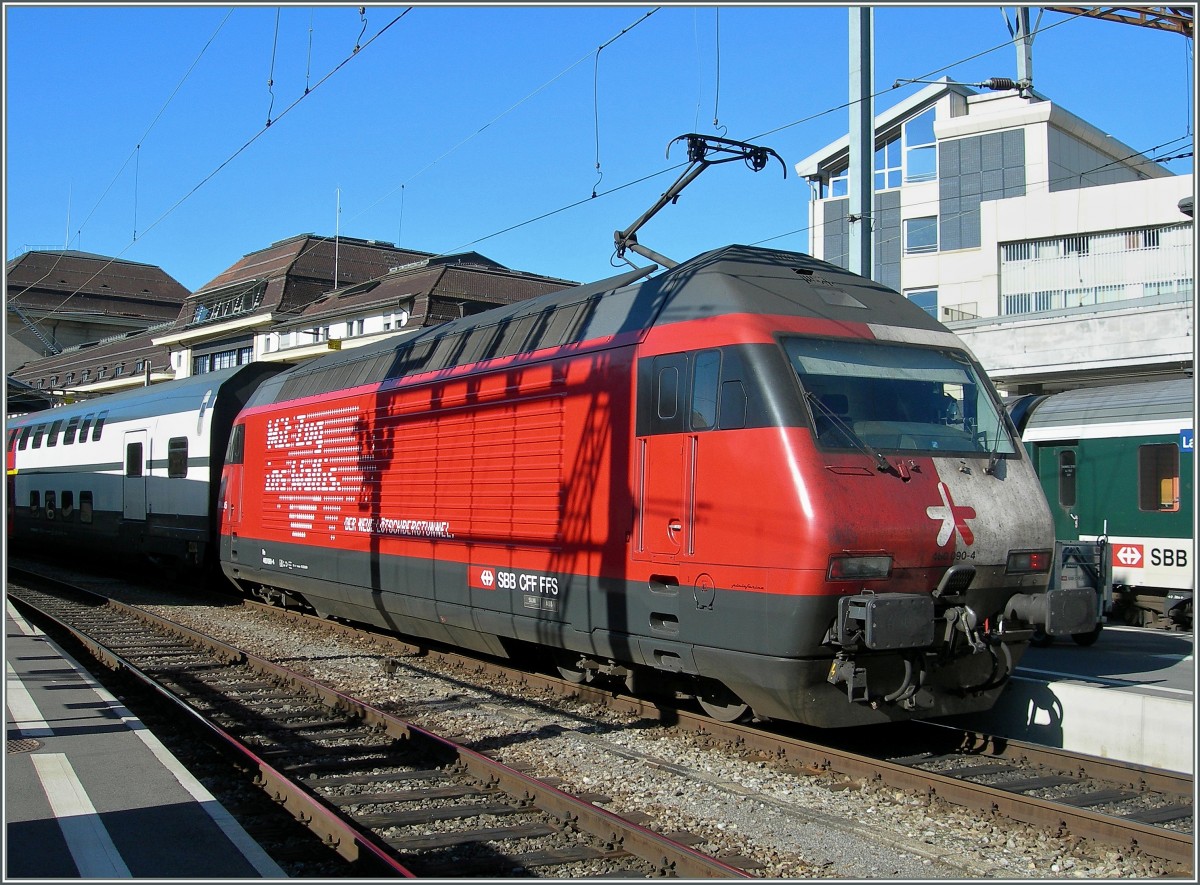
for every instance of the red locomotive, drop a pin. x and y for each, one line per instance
(755, 478)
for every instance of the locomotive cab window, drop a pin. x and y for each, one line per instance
(177, 457)
(235, 451)
(897, 398)
(1158, 477)
(706, 380)
(133, 459)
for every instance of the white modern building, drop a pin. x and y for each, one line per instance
(1062, 257)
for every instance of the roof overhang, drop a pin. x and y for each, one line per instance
(208, 331)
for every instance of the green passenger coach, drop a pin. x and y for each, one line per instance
(1118, 462)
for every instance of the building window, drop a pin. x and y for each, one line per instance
(887, 164)
(920, 235)
(920, 148)
(839, 182)
(225, 359)
(926, 299)
(1158, 477)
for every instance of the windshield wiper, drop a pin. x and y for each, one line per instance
(884, 465)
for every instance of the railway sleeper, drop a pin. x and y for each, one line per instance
(469, 837)
(428, 815)
(456, 791)
(460, 867)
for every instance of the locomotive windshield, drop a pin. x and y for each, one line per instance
(897, 398)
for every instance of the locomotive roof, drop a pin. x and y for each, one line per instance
(1141, 403)
(731, 280)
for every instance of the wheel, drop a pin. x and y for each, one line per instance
(568, 668)
(1088, 638)
(722, 704)
(1040, 638)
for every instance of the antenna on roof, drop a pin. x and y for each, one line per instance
(699, 148)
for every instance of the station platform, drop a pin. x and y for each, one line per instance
(90, 793)
(1129, 697)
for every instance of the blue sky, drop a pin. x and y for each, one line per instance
(140, 131)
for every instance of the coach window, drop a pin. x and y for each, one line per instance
(177, 457)
(1158, 477)
(133, 459)
(68, 504)
(72, 426)
(1066, 478)
(35, 503)
(51, 504)
(38, 433)
(99, 425)
(706, 377)
(52, 438)
(85, 506)
(12, 439)
(25, 437)
(85, 427)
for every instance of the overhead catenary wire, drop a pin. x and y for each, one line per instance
(271, 72)
(222, 166)
(596, 89)
(134, 154)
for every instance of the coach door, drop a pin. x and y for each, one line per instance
(664, 510)
(1058, 470)
(137, 457)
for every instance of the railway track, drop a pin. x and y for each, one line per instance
(1135, 809)
(386, 795)
(1115, 803)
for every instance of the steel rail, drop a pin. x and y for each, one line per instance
(338, 832)
(812, 756)
(671, 858)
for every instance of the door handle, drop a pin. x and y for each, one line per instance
(674, 526)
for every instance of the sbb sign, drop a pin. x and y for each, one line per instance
(1128, 555)
(1134, 556)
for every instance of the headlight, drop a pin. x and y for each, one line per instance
(1028, 561)
(857, 568)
